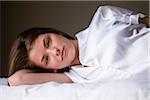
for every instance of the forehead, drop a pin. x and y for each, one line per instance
(35, 53)
(34, 56)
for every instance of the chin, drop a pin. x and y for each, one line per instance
(59, 67)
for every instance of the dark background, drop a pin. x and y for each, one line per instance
(70, 17)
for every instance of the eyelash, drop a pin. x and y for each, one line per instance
(46, 61)
(47, 42)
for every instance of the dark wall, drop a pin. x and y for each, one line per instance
(0, 41)
(67, 16)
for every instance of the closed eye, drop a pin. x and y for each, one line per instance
(45, 59)
(47, 41)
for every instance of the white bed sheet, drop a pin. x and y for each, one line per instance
(114, 90)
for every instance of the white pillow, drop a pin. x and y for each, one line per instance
(3, 81)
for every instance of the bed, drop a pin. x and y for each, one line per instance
(107, 90)
(113, 90)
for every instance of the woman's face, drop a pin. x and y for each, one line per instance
(52, 51)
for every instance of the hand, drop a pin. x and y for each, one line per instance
(17, 76)
(144, 20)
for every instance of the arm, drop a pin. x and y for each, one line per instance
(116, 14)
(27, 77)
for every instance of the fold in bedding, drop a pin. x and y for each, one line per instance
(113, 90)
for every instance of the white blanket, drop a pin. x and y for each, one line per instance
(114, 90)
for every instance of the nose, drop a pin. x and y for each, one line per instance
(54, 51)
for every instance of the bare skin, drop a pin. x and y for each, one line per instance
(61, 52)
(54, 51)
(144, 20)
(27, 77)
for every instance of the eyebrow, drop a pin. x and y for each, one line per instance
(44, 42)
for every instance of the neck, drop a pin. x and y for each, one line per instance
(76, 60)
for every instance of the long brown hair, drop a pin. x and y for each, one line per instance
(18, 58)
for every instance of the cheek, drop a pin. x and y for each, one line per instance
(71, 54)
(53, 64)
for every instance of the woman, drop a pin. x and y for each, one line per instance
(104, 51)
(42, 38)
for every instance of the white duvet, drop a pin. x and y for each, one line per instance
(113, 90)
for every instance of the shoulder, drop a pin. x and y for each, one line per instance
(107, 7)
(105, 11)
(112, 9)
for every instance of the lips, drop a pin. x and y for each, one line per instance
(62, 54)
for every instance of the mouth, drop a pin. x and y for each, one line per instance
(62, 54)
